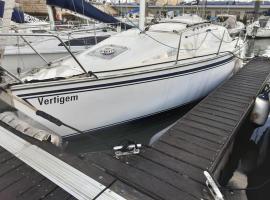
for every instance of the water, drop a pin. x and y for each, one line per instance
(140, 131)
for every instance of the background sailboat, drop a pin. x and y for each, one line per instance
(20, 57)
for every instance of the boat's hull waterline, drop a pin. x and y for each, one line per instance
(105, 102)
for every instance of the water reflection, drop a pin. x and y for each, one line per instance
(140, 131)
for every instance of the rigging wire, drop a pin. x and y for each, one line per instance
(220, 38)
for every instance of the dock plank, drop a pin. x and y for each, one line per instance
(39, 191)
(14, 175)
(205, 127)
(182, 155)
(5, 156)
(220, 99)
(142, 181)
(199, 141)
(198, 132)
(21, 186)
(57, 194)
(128, 192)
(168, 176)
(172, 163)
(216, 112)
(188, 147)
(221, 109)
(227, 121)
(9, 165)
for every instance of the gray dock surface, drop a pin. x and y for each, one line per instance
(170, 169)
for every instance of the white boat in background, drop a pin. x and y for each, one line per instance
(134, 74)
(230, 22)
(188, 18)
(19, 54)
(259, 28)
(20, 57)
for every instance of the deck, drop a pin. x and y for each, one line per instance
(170, 169)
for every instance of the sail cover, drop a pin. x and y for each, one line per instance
(84, 8)
(2, 8)
(17, 15)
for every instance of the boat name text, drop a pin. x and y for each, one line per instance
(57, 100)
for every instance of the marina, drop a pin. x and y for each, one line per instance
(200, 141)
(134, 100)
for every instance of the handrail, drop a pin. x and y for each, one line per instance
(166, 62)
(178, 50)
(33, 48)
(221, 42)
(50, 35)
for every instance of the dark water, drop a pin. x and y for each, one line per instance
(258, 178)
(141, 131)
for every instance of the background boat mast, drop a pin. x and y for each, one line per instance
(256, 9)
(142, 15)
(6, 23)
(51, 17)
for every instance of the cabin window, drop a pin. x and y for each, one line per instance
(39, 31)
(85, 41)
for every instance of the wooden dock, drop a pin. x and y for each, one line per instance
(170, 169)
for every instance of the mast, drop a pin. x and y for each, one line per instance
(142, 15)
(51, 17)
(9, 6)
(256, 9)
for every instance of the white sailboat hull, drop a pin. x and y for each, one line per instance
(262, 33)
(101, 103)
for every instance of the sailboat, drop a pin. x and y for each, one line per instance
(259, 28)
(230, 22)
(19, 56)
(131, 75)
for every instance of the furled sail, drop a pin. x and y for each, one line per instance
(84, 8)
(17, 15)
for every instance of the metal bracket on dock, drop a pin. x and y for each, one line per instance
(212, 186)
(124, 150)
